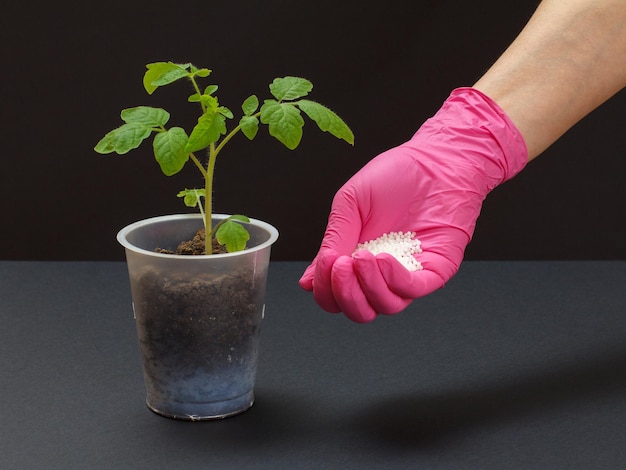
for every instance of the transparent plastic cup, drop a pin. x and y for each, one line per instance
(198, 318)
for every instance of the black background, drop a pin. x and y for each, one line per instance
(68, 68)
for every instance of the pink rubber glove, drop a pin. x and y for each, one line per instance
(433, 185)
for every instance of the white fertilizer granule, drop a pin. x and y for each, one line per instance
(401, 245)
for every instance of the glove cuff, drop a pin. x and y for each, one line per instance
(486, 115)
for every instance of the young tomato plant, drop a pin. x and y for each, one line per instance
(173, 147)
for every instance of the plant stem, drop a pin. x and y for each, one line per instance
(208, 200)
(197, 89)
(196, 162)
(230, 136)
(201, 211)
(207, 174)
(208, 185)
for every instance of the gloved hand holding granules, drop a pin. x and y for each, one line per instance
(433, 186)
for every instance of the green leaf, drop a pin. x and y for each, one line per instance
(163, 73)
(290, 88)
(249, 126)
(202, 72)
(250, 105)
(206, 99)
(210, 89)
(327, 120)
(210, 102)
(151, 117)
(224, 111)
(208, 130)
(285, 122)
(192, 196)
(123, 139)
(241, 218)
(233, 235)
(169, 150)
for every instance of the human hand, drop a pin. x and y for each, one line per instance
(433, 185)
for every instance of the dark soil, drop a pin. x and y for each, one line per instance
(195, 246)
(204, 318)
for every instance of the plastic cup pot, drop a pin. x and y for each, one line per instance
(198, 318)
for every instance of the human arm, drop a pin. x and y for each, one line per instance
(569, 59)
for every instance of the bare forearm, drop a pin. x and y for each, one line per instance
(569, 59)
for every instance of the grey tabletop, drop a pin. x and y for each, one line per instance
(511, 365)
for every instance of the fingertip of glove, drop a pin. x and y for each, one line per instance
(321, 289)
(348, 293)
(306, 280)
(360, 256)
(333, 282)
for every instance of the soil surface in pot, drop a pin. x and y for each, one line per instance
(195, 246)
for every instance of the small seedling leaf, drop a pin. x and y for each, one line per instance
(163, 73)
(227, 113)
(233, 235)
(208, 130)
(327, 120)
(290, 88)
(123, 139)
(151, 117)
(250, 105)
(192, 196)
(241, 218)
(210, 102)
(202, 72)
(285, 122)
(249, 126)
(169, 150)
